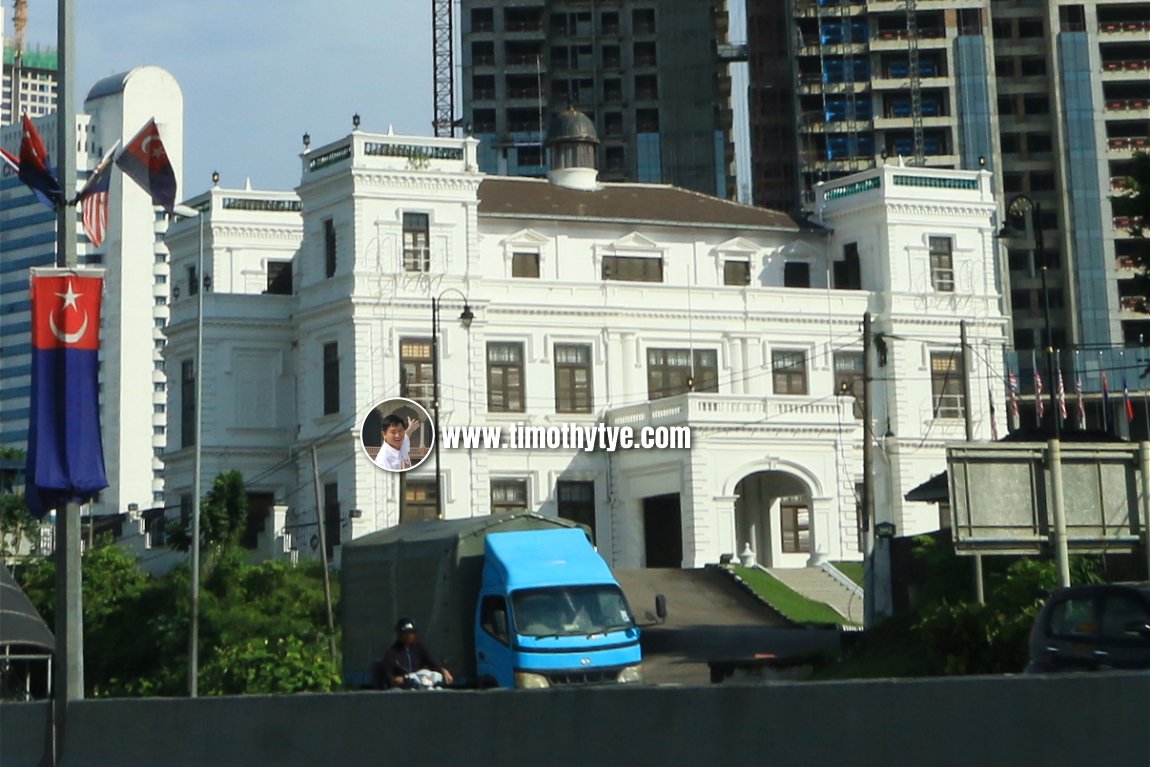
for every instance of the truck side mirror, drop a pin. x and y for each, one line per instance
(661, 607)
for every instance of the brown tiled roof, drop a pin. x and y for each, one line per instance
(653, 203)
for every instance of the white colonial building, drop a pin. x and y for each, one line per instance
(623, 304)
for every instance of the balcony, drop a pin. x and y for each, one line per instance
(776, 412)
(1128, 105)
(1125, 69)
(1128, 144)
(1135, 30)
(1132, 304)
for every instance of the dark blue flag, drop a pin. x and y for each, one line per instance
(145, 161)
(65, 449)
(35, 169)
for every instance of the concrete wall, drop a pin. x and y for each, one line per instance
(1049, 720)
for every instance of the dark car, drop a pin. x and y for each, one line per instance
(1092, 628)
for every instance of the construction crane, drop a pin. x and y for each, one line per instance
(443, 67)
(915, 82)
(19, 22)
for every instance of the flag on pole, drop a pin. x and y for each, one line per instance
(1126, 401)
(93, 199)
(65, 450)
(11, 160)
(1039, 403)
(1105, 403)
(146, 162)
(993, 419)
(1015, 418)
(35, 168)
(1081, 403)
(1061, 397)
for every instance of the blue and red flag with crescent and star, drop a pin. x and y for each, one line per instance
(35, 168)
(146, 162)
(65, 450)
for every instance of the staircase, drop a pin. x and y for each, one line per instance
(826, 585)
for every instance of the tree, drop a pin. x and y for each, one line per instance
(223, 516)
(17, 525)
(263, 628)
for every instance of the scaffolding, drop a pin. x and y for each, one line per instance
(915, 82)
(852, 158)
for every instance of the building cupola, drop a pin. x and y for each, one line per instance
(572, 145)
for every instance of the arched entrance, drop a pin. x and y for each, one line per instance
(773, 515)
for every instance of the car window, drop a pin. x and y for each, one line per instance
(1120, 613)
(493, 617)
(1073, 617)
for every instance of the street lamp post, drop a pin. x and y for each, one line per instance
(1018, 208)
(465, 318)
(197, 457)
(1030, 212)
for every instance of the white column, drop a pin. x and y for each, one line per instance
(725, 509)
(736, 364)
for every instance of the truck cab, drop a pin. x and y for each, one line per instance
(550, 613)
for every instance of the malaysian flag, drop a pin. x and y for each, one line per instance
(1039, 405)
(1061, 397)
(1015, 418)
(93, 200)
(1081, 403)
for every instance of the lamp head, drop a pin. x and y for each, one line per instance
(215, 177)
(355, 121)
(306, 140)
(466, 316)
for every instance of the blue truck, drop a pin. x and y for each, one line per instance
(509, 600)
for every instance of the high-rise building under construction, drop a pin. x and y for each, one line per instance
(647, 72)
(1052, 96)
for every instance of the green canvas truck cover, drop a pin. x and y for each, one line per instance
(428, 571)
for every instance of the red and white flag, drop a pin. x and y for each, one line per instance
(93, 200)
(1039, 403)
(1061, 397)
(1015, 418)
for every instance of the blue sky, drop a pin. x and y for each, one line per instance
(256, 74)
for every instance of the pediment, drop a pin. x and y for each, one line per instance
(738, 245)
(525, 237)
(635, 241)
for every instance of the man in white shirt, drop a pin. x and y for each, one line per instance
(394, 454)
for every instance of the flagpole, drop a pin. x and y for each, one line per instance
(1145, 401)
(68, 661)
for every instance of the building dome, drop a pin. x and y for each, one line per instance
(571, 125)
(571, 142)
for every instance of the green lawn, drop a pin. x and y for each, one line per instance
(852, 570)
(786, 600)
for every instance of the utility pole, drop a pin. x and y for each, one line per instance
(968, 416)
(69, 656)
(320, 514)
(868, 476)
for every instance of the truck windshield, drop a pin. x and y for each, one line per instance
(566, 610)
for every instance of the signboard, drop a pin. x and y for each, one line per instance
(1002, 500)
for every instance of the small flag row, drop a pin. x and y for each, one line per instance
(1014, 397)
